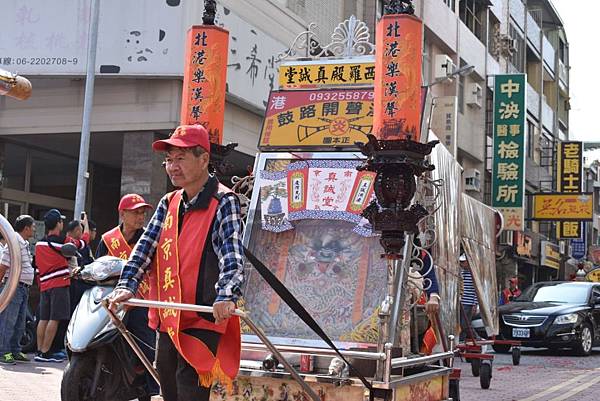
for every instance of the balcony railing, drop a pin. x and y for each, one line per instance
(547, 117)
(533, 101)
(533, 33)
(549, 54)
(563, 73)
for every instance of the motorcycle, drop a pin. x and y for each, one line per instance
(102, 366)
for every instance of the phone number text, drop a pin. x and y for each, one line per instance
(38, 61)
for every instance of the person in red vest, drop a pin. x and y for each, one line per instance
(119, 242)
(510, 293)
(193, 253)
(54, 282)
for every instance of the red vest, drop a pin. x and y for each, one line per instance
(174, 278)
(117, 246)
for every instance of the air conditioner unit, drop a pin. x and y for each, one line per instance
(444, 66)
(472, 180)
(474, 95)
(506, 238)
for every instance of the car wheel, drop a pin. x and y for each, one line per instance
(501, 348)
(584, 346)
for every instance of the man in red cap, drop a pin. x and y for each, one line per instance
(119, 242)
(193, 253)
(510, 293)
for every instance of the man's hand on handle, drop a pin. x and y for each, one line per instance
(117, 296)
(223, 310)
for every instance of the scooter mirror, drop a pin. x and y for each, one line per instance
(69, 250)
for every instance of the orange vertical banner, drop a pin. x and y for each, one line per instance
(398, 60)
(204, 78)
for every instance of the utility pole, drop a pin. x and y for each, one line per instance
(84, 145)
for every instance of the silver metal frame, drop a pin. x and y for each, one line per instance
(14, 273)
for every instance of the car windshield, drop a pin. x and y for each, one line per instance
(558, 293)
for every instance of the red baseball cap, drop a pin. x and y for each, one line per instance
(185, 136)
(132, 202)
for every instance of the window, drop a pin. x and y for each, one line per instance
(562, 51)
(53, 174)
(530, 138)
(13, 176)
(470, 12)
(451, 4)
(547, 152)
(517, 57)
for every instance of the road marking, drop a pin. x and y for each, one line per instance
(557, 387)
(576, 390)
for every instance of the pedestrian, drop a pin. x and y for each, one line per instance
(194, 240)
(510, 293)
(468, 299)
(119, 242)
(54, 271)
(13, 318)
(87, 256)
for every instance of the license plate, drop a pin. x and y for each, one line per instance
(520, 333)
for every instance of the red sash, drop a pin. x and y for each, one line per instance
(117, 246)
(176, 270)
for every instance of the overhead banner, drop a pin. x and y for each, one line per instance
(569, 173)
(508, 170)
(563, 206)
(203, 94)
(333, 119)
(550, 255)
(398, 60)
(308, 74)
(315, 189)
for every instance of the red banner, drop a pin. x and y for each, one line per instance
(398, 78)
(204, 78)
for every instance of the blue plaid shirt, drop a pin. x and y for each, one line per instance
(226, 240)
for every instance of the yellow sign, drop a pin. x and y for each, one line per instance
(550, 255)
(333, 118)
(563, 206)
(593, 276)
(309, 75)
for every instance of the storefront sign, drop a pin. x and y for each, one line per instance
(569, 166)
(563, 206)
(523, 243)
(550, 255)
(203, 94)
(579, 246)
(444, 121)
(509, 149)
(593, 276)
(329, 119)
(315, 189)
(307, 74)
(398, 60)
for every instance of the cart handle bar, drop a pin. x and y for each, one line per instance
(242, 315)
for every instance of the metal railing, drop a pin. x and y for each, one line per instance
(203, 309)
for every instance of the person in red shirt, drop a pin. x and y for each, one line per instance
(54, 282)
(510, 293)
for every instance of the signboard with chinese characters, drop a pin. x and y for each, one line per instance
(550, 255)
(444, 121)
(508, 170)
(135, 37)
(563, 206)
(333, 119)
(569, 166)
(315, 189)
(579, 246)
(311, 74)
(203, 93)
(398, 60)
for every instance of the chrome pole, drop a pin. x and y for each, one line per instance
(14, 273)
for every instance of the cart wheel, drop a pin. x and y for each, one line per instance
(455, 389)
(516, 356)
(475, 367)
(485, 375)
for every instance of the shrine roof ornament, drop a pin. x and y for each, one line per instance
(349, 39)
(210, 12)
(398, 7)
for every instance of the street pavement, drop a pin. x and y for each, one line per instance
(541, 376)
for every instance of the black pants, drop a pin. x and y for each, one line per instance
(178, 379)
(137, 324)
